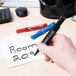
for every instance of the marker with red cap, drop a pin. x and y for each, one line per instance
(32, 28)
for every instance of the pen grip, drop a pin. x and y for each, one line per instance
(48, 37)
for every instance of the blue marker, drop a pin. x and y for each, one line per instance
(42, 31)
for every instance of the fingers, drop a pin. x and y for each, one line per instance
(58, 38)
(43, 47)
(54, 38)
(48, 50)
(48, 59)
(53, 41)
(51, 60)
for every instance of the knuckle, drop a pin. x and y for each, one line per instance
(63, 36)
(69, 39)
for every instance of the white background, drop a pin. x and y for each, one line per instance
(16, 0)
(24, 3)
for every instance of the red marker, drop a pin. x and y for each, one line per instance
(32, 28)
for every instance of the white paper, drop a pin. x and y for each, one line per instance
(20, 50)
(2, 49)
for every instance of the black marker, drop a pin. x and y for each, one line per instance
(52, 31)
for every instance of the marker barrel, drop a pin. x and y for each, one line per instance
(32, 28)
(42, 31)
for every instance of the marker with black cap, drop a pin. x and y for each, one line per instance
(52, 32)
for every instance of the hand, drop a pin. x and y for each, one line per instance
(60, 50)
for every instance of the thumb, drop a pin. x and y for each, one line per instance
(45, 49)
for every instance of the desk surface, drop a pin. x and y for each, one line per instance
(40, 67)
